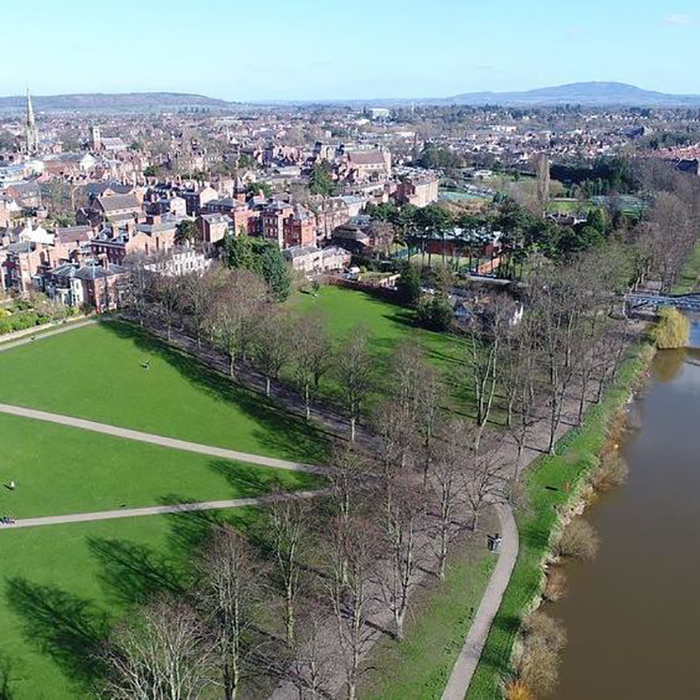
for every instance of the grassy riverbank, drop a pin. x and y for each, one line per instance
(690, 276)
(551, 486)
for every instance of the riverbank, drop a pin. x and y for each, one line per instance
(690, 275)
(553, 488)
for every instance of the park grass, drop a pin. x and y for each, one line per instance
(551, 485)
(60, 470)
(690, 275)
(555, 206)
(439, 620)
(388, 325)
(62, 586)
(96, 372)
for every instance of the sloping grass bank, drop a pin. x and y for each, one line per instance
(690, 276)
(552, 486)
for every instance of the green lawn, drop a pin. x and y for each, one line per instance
(550, 485)
(62, 470)
(420, 666)
(690, 274)
(388, 325)
(61, 586)
(563, 206)
(96, 372)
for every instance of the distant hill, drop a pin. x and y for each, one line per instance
(117, 102)
(590, 94)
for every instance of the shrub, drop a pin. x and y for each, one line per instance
(541, 629)
(672, 331)
(539, 669)
(555, 587)
(517, 690)
(435, 313)
(612, 472)
(579, 540)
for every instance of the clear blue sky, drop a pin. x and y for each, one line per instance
(294, 49)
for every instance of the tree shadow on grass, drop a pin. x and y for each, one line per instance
(249, 482)
(66, 627)
(497, 656)
(190, 530)
(134, 573)
(280, 432)
(6, 670)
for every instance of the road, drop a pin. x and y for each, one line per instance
(160, 440)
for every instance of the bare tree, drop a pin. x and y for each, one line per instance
(138, 286)
(311, 355)
(200, 291)
(428, 393)
(161, 653)
(229, 589)
(289, 524)
(272, 345)
(311, 667)
(240, 298)
(354, 366)
(403, 508)
(445, 486)
(483, 481)
(168, 295)
(352, 554)
(488, 330)
(398, 433)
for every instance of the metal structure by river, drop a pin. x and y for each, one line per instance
(633, 615)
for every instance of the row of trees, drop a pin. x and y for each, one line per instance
(298, 598)
(235, 311)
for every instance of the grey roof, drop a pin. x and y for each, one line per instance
(70, 234)
(97, 188)
(119, 201)
(93, 272)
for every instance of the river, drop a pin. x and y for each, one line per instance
(633, 615)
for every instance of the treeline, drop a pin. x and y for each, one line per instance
(654, 242)
(236, 312)
(297, 596)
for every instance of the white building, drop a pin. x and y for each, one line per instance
(181, 262)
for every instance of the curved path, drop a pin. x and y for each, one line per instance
(160, 440)
(468, 659)
(158, 510)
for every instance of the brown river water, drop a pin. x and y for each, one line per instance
(633, 615)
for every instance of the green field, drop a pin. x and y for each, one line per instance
(61, 470)
(96, 372)
(62, 585)
(388, 325)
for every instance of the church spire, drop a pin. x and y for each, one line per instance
(31, 131)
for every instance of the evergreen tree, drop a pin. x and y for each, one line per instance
(408, 287)
(275, 271)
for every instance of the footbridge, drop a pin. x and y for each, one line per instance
(653, 302)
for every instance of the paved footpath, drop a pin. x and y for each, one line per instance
(158, 510)
(160, 440)
(478, 633)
